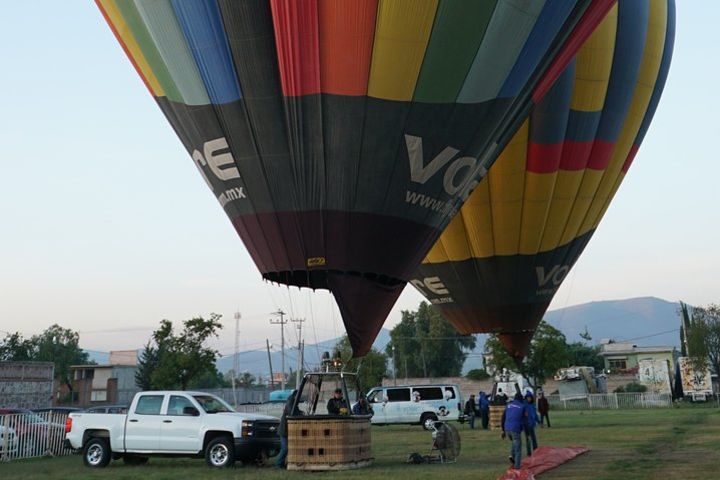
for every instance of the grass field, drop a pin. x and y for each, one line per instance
(628, 444)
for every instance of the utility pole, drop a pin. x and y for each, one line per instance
(299, 322)
(236, 358)
(272, 381)
(394, 365)
(282, 323)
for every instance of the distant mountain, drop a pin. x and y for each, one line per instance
(646, 321)
(256, 361)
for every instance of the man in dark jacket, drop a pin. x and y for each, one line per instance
(337, 404)
(283, 428)
(471, 411)
(543, 409)
(484, 406)
(514, 421)
(532, 420)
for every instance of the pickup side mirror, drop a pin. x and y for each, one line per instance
(192, 411)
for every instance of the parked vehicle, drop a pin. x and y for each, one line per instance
(108, 409)
(8, 440)
(173, 423)
(655, 375)
(30, 428)
(415, 404)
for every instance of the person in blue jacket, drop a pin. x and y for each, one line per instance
(484, 407)
(514, 420)
(532, 420)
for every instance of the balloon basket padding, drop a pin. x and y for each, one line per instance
(329, 443)
(495, 419)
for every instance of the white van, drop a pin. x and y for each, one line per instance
(415, 404)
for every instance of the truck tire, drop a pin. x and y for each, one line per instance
(96, 452)
(220, 453)
(427, 419)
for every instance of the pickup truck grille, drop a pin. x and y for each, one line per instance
(265, 429)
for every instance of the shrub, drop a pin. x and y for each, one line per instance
(477, 374)
(632, 387)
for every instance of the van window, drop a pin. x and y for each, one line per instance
(149, 405)
(375, 396)
(398, 394)
(429, 393)
(449, 393)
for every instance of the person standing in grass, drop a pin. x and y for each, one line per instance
(514, 420)
(484, 407)
(471, 410)
(283, 429)
(543, 409)
(532, 420)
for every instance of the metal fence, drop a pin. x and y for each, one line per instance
(27, 435)
(613, 401)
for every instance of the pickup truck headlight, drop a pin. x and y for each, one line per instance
(247, 428)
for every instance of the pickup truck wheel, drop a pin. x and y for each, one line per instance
(96, 453)
(427, 420)
(220, 453)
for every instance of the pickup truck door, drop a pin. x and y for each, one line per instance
(144, 423)
(180, 430)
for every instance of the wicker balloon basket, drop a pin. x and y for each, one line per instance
(328, 443)
(496, 412)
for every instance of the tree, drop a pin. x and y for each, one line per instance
(703, 336)
(372, 367)
(548, 352)
(15, 348)
(246, 379)
(56, 344)
(427, 345)
(147, 364)
(584, 355)
(477, 374)
(183, 358)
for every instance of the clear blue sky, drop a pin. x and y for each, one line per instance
(105, 224)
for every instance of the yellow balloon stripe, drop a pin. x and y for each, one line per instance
(133, 49)
(401, 37)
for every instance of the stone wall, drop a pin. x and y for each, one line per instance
(26, 384)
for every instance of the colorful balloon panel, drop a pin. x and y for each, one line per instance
(502, 258)
(341, 136)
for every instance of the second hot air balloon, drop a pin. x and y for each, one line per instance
(497, 266)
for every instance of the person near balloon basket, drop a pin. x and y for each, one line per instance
(514, 420)
(484, 408)
(471, 411)
(532, 420)
(283, 429)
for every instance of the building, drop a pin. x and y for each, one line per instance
(26, 384)
(109, 384)
(624, 356)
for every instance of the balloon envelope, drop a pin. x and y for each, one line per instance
(341, 136)
(497, 266)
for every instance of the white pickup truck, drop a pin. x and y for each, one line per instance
(173, 423)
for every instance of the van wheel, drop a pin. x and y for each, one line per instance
(96, 453)
(220, 453)
(427, 420)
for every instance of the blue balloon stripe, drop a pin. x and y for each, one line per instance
(203, 28)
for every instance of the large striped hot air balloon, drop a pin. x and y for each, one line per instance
(497, 266)
(341, 136)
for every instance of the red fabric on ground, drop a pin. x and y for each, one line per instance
(542, 460)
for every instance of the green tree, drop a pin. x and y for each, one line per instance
(703, 337)
(477, 374)
(147, 363)
(15, 348)
(427, 345)
(582, 354)
(372, 367)
(548, 352)
(62, 347)
(183, 357)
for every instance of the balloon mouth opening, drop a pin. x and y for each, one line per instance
(318, 279)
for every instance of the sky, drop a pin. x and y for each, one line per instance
(107, 228)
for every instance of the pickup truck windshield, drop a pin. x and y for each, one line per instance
(212, 404)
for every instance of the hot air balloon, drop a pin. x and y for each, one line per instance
(497, 266)
(341, 136)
